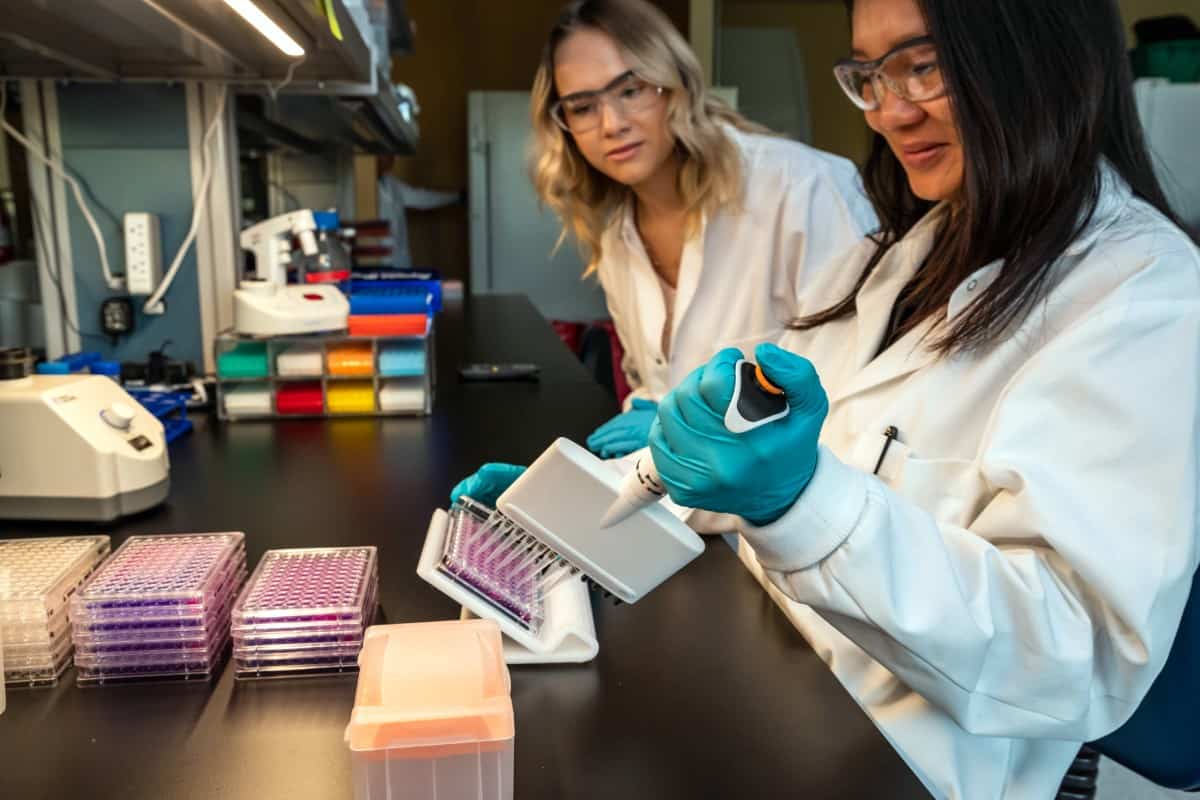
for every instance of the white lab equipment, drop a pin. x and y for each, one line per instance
(75, 446)
(520, 564)
(266, 305)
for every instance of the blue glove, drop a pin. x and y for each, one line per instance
(624, 433)
(757, 474)
(487, 484)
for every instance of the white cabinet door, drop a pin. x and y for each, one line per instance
(512, 239)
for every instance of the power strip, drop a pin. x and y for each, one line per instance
(143, 253)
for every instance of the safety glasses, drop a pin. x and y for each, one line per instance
(909, 70)
(583, 111)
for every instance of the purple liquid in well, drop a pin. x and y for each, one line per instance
(155, 577)
(484, 563)
(309, 587)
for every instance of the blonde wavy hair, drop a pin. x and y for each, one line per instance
(585, 199)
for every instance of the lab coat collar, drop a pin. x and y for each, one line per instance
(874, 301)
(873, 305)
(1115, 195)
(877, 296)
(975, 284)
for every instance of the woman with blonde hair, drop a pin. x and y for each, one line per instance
(701, 229)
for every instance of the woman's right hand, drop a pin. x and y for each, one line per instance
(487, 484)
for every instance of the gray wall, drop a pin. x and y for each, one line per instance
(512, 238)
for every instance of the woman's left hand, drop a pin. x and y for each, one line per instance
(757, 474)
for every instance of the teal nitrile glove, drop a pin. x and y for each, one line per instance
(626, 432)
(758, 474)
(487, 484)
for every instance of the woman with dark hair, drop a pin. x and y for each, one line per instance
(981, 509)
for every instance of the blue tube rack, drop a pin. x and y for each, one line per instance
(170, 408)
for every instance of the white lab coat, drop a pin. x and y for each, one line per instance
(1011, 582)
(740, 275)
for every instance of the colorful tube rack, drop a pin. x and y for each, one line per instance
(325, 376)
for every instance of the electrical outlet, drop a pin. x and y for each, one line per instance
(143, 253)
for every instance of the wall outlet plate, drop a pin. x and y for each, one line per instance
(143, 253)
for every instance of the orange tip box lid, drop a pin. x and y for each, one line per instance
(435, 686)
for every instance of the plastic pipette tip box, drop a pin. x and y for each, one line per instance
(350, 397)
(415, 302)
(300, 360)
(158, 609)
(304, 610)
(252, 399)
(402, 394)
(372, 293)
(433, 713)
(481, 561)
(246, 360)
(300, 398)
(350, 358)
(41, 575)
(403, 359)
(388, 325)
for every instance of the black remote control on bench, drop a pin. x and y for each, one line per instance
(499, 372)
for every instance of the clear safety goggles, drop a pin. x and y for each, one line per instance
(910, 71)
(583, 111)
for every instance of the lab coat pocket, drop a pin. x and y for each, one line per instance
(948, 488)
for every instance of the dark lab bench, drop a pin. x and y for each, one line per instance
(701, 690)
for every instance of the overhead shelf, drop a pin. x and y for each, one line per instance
(177, 40)
(152, 40)
(380, 123)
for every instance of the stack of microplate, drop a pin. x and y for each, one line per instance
(159, 608)
(40, 575)
(303, 611)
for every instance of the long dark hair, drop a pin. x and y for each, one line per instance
(1042, 93)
